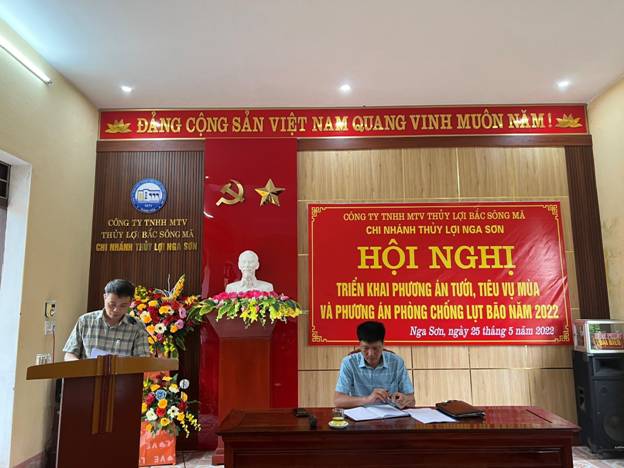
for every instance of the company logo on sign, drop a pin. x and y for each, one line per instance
(148, 195)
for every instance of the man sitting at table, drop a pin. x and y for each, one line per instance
(110, 330)
(373, 375)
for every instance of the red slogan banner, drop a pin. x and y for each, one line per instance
(345, 122)
(453, 273)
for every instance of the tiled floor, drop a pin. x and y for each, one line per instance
(583, 458)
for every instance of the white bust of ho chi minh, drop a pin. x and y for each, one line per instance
(248, 263)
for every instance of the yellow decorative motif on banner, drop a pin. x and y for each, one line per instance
(565, 335)
(316, 210)
(237, 197)
(568, 121)
(553, 209)
(316, 338)
(118, 126)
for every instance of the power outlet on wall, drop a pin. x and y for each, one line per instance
(49, 327)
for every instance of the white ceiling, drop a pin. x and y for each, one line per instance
(296, 53)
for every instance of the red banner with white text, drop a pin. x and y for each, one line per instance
(343, 122)
(439, 273)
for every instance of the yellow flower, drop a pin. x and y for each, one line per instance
(150, 329)
(164, 421)
(166, 378)
(153, 303)
(173, 388)
(154, 387)
(146, 317)
(183, 396)
(164, 309)
(148, 427)
(143, 408)
(150, 340)
(173, 328)
(141, 307)
(162, 403)
(190, 300)
(180, 416)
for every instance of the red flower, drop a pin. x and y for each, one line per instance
(160, 412)
(182, 405)
(149, 399)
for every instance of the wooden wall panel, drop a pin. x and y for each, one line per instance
(539, 172)
(496, 357)
(365, 175)
(549, 357)
(316, 388)
(500, 387)
(432, 386)
(554, 389)
(590, 266)
(302, 279)
(440, 357)
(486, 172)
(429, 173)
(117, 172)
(118, 167)
(484, 375)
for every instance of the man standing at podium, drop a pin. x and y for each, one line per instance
(373, 375)
(110, 330)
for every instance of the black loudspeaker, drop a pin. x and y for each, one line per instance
(599, 381)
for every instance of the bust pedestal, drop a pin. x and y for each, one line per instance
(244, 368)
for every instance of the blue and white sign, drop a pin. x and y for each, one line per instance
(148, 195)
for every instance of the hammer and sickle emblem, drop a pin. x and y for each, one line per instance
(237, 196)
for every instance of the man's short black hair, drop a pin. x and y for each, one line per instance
(119, 287)
(371, 332)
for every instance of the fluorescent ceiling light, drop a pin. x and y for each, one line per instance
(563, 84)
(345, 88)
(126, 89)
(21, 58)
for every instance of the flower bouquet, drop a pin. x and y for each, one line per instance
(168, 317)
(251, 307)
(166, 406)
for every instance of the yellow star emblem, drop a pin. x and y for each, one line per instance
(270, 193)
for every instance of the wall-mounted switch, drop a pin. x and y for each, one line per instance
(49, 309)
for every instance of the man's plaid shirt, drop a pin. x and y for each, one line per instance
(127, 338)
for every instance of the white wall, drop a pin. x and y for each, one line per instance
(54, 130)
(606, 124)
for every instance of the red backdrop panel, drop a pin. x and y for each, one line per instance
(268, 230)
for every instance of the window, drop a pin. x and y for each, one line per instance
(4, 198)
(4, 184)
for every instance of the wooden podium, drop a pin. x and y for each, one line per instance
(244, 369)
(100, 418)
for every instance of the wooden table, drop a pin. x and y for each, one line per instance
(518, 436)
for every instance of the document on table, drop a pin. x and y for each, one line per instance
(367, 413)
(429, 415)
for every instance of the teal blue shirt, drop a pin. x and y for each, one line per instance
(357, 378)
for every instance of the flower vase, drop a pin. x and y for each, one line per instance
(159, 449)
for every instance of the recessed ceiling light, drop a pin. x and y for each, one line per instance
(126, 89)
(345, 88)
(563, 84)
